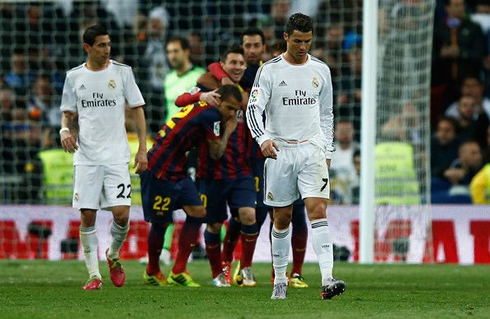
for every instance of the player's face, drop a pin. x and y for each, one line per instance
(100, 51)
(228, 108)
(234, 66)
(299, 44)
(253, 47)
(176, 55)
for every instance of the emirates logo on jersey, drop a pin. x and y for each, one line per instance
(112, 84)
(315, 82)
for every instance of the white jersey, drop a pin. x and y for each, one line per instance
(297, 100)
(99, 98)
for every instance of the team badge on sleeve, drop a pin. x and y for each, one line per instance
(216, 128)
(254, 95)
(194, 90)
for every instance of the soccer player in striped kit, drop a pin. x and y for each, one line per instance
(165, 186)
(227, 181)
(295, 91)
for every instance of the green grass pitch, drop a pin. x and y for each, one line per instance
(43, 289)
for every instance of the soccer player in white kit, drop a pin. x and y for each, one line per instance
(94, 98)
(295, 92)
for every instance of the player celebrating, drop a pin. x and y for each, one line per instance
(166, 185)
(227, 181)
(92, 126)
(297, 140)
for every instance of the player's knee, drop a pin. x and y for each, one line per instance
(247, 215)
(214, 228)
(121, 215)
(196, 211)
(317, 212)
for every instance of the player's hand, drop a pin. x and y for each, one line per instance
(212, 98)
(68, 142)
(269, 149)
(141, 161)
(231, 124)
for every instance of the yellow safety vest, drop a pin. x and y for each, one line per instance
(396, 179)
(57, 176)
(487, 189)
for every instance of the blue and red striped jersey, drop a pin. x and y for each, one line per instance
(235, 162)
(190, 127)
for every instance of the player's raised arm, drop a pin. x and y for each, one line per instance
(231, 99)
(217, 147)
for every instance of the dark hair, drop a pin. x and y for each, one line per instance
(234, 49)
(229, 90)
(299, 22)
(450, 120)
(184, 43)
(92, 33)
(279, 45)
(253, 31)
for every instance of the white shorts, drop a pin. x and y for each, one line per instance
(101, 186)
(299, 170)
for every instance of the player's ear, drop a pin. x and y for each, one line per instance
(86, 47)
(285, 36)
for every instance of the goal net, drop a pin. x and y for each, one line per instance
(41, 40)
(402, 168)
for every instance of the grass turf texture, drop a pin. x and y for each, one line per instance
(43, 289)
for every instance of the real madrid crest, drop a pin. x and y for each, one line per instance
(315, 82)
(112, 84)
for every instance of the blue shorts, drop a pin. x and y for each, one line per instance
(160, 198)
(258, 172)
(216, 194)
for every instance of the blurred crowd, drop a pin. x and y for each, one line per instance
(40, 41)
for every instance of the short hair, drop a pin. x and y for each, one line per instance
(230, 90)
(279, 45)
(92, 33)
(234, 49)
(254, 31)
(449, 120)
(184, 43)
(299, 22)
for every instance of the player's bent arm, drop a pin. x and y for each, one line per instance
(69, 131)
(187, 98)
(140, 160)
(217, 147)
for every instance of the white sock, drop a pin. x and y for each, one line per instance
(281, 241)
(119, 235)
(88, 237)
(323, 247)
